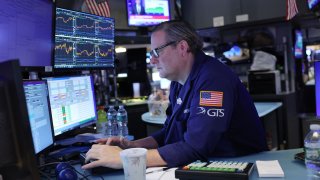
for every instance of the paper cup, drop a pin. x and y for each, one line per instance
(134, 163)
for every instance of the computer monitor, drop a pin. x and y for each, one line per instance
(147, 12)
(17, 157)
(317, 84)
(72, 102)
(26, 32)
(237, 53)
(313, 4)
(83, 41)
(36, 93)
(298, 45)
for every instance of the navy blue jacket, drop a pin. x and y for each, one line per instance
(211, 115)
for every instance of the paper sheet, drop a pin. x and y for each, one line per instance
(162, 175)
(269, 169)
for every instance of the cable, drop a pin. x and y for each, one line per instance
(44, 174)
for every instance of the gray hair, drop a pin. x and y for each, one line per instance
(180, 30)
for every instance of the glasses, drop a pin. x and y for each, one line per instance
(155, 52)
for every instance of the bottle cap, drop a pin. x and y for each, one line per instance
(101, 107)
(315, 127)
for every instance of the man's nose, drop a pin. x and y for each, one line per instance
(153, 60)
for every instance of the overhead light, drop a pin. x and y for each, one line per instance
(122, 75)
(121, 50)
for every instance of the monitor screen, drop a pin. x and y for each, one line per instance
(317, 84)
(237, 53)
(298, 44)
(26, 32)
(72, 102)
(147, 12)
(36, 93)
(83, 41)
(17, 157)
(312, 4)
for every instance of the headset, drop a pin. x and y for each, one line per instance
(64, 171)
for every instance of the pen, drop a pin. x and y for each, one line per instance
(158, 170)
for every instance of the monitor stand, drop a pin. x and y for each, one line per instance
(143, 31)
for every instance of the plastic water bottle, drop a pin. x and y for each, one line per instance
(312, 151)
(112, 129)
(122, 118)
(102, 120)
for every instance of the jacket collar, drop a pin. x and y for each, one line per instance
(184, 91)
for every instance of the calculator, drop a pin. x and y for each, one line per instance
(218, 170)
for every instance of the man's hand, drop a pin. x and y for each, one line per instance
(123, 143)
(103, 155)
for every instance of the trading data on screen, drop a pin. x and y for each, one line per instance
(83, 40)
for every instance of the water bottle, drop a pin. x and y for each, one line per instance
(122, 118)
(102, 120)
(112, 129)
(312, 151)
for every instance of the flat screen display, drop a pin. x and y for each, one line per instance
(312, 4)
(317, 84)
(26, 32)
(36, 93)
(147, 12)
(298, 46)
(72, 102)
(83, 41)
(237, 53)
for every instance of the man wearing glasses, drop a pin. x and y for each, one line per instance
(211, 114)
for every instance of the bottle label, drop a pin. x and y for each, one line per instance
(312, 153)
(121, 118)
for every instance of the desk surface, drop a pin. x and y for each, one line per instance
(293, 169)
(263, 108)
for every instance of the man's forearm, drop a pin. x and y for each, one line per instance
(154, 158)
(148, 143)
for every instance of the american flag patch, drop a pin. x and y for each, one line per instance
(211, 98)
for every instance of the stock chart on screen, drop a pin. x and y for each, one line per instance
(83, 40)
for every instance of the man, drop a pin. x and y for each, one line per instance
(138, 8)
(210, 114)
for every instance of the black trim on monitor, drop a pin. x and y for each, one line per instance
(15, 121)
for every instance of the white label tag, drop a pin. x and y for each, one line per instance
(218, 21)
(242, 17)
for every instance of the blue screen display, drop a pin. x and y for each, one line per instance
(26, 32)
(313, 3)
(298, 46)
(36, 93)
(83, 40)
(317, 83)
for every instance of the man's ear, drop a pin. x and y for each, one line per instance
(183, 47)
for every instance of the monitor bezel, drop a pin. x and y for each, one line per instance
(24, 165)
(63, 69)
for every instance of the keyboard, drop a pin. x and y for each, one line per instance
(97, 170)
(218, 170)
